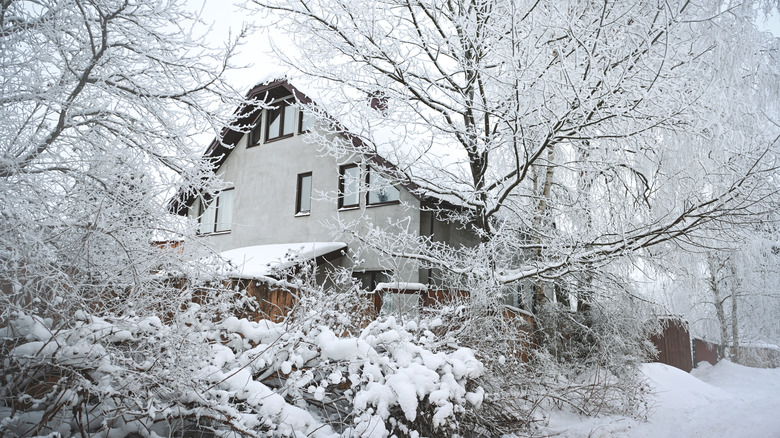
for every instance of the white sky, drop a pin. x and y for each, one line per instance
(225, 17)
(256, 53)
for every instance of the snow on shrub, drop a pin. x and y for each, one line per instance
(379, 382)
(234, 377)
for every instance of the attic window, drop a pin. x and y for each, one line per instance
(217, 216)
(380, 191)
(306, 121)
(256, 132)
(349, 186)
(280, 122)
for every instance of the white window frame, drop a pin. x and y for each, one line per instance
(216, 216)
(375, 181)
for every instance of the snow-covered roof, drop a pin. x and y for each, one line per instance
(265, 260)
(401, 286)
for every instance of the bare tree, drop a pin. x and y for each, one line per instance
(99, 100)
(571, 138)
(569, 134)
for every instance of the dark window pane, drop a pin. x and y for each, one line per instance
(368, 280)
(256, 132)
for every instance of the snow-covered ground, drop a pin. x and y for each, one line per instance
(721, 401)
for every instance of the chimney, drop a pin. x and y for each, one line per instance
(378, 101)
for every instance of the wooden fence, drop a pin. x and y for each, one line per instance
(674, 344)
(274, 302)
(705, 351)
(757, 356)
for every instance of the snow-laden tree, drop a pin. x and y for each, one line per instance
(728, 291)
(98, 103)
(569, 133)
(571, 137)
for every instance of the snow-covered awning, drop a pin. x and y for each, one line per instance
(266, 260)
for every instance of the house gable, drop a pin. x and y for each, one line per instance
(246, 117)
(285, 190)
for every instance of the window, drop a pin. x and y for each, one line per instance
(256, 132)
(306, 121)
(349, 186)
(217, 215)
(303, 196)
(369, 279)
(380, 191)
(280, 121)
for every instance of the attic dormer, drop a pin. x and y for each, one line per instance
(283, 120)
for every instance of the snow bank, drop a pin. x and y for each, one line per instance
(721, 401)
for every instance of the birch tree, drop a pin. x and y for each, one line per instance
(741, 300)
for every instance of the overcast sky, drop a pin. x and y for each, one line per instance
(256, 52)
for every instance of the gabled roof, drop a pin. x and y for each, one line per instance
(218, 151)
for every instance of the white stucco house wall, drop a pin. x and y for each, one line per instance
(284, 193)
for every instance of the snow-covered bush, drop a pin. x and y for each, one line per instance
(77, 373)
(309, 375)
(584, 360)
(363, 378)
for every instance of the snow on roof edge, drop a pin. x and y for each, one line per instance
(262, 261)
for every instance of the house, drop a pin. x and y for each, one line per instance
(285, 196)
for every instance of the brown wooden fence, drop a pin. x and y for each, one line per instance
(674, 344)
(705, 351)
(749, 355)
(274, 302)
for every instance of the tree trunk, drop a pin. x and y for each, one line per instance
(718, 303)
(539, 296)
(735, 283)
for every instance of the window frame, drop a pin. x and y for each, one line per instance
(204, 207)
(342, 171)
(299, 194)
(286, 107)
(301, 114)
(256, 130)
(369, 170)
